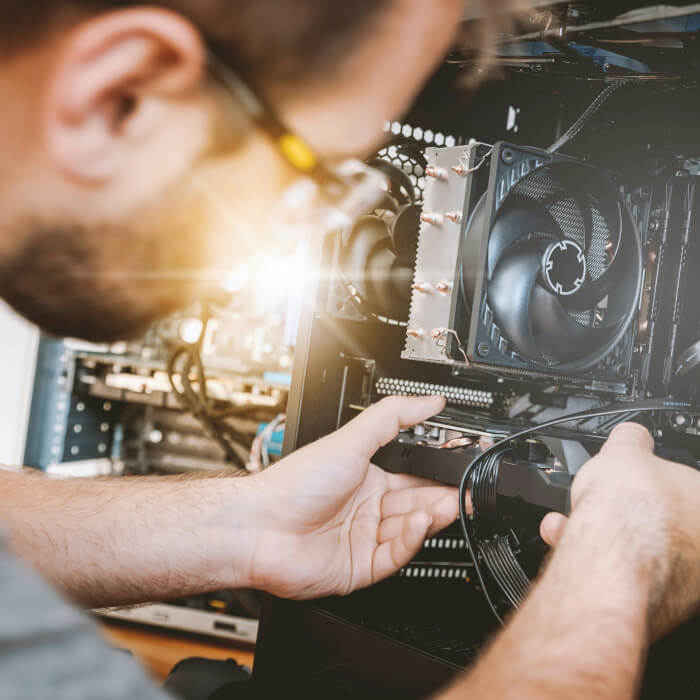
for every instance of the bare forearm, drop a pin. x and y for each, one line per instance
(581, 634)
(113, 542)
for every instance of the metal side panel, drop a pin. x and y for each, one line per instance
(18, 349)
(51, 404)
(313, 387)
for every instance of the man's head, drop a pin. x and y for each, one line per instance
(129, 180)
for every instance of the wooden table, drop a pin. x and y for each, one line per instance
(159, 650)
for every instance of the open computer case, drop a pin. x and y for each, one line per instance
(526, 270)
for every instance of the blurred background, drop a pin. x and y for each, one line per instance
(203, 390)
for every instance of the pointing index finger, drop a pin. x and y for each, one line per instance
(381, 423)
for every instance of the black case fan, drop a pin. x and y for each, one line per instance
(378, 253)
(552, 264)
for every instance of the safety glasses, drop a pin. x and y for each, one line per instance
(326, 197)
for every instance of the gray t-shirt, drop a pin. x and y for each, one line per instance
(49, 650)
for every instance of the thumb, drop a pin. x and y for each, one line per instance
(552, 528)
(382, 422)
(629, 436)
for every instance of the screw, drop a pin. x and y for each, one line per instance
(436, 172)
(508, 156)
(431, 218)
(483, 349)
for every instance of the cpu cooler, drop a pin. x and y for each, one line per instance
(551, 266)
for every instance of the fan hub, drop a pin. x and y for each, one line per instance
(564, 267)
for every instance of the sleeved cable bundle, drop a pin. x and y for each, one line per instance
(494, 551)
(579, 125)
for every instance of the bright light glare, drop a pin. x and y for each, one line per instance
(190, 330)
(236, 280)
(276, 278)
(269, 278)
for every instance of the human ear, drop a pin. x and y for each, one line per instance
(113, 81)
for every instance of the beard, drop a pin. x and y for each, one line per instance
(106, 282)
(110, 281)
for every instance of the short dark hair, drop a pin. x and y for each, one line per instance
(269, 40)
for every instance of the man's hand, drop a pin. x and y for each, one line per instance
(651, 505)
(327, 521)
(322, 521)
(626, 569)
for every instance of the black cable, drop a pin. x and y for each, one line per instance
(190, 402)
(511, 564)
(485, 553)
(577, 127)
(500, 571)
(650, 406)
(504, 568)
(508, 565)
(200, 398)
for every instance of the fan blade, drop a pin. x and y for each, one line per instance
(519, 217)
(510, 296)
(401, 186)
(388, 283)
(590, 189)
(557, 335)
(575, 187)
(387, 203)
(368, 234)
(623, 260)
(405, 230)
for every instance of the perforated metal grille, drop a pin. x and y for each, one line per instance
(407, 161)
(566, 213)
(597, 255)
(540, 187)
(402, 153)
